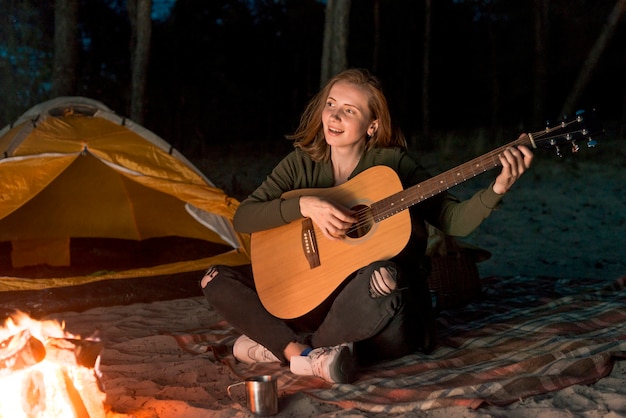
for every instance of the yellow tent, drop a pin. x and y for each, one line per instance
(78, 181)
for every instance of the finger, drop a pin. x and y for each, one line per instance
(523, 157)
(345, 217)
(507, 161)
(517, 161)
(328, 234)
(340, 232)
(527, 155)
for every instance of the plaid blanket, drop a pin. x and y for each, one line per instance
(523, 337)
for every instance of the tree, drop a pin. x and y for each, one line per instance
(65, 48)
(26, 33)
(594, 56)
(336, 30)
(377, 36)
(426, 75)
(141, 25)
(494, 61)
(541, 19)
(622, 122)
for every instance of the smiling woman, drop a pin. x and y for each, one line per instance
(343, 290)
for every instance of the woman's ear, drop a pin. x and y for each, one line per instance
(372, 128)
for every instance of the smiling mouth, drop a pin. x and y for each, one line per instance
(335, 131)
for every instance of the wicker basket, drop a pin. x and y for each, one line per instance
(454, 280)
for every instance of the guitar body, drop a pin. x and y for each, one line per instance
(288, 283)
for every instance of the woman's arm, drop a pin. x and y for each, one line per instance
(266, 207)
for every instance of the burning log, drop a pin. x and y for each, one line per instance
(47, 372)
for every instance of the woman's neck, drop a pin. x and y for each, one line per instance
(344, 162)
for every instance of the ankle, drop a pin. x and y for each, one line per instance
(294, 349)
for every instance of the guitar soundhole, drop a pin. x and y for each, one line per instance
(364, 224)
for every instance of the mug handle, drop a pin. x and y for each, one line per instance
(229, 387)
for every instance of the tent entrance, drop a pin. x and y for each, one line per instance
(99, 256)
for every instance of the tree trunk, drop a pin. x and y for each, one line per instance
(377, 37)
(65, 48)
(593, 57)
(336, 30)
(495, 71)
(426, 140)
(622, 123)
(141, 25)
(541, 13)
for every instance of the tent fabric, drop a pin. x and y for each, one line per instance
(72, 168)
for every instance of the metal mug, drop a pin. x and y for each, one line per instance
(261, 394)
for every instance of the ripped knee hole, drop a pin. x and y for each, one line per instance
(208, 276)
(383, 282)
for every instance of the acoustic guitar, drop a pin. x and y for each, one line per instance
(295, 268)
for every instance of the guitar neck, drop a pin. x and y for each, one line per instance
(405, 199)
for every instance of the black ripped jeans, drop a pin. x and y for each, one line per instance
(381, 326)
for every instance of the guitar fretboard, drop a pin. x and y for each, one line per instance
(405, 199)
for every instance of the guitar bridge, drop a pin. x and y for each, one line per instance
(309, 243)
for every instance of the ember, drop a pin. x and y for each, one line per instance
(48, 372)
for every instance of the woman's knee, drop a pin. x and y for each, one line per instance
(224, 280)
(209, 275)
(383, 281)
(217, 277)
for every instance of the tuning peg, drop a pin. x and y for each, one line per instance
(547, 126)
(579, 116)
(558, 151)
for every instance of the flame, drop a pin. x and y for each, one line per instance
(38, 329)
(37, 378)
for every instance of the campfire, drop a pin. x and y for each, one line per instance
(48, 372)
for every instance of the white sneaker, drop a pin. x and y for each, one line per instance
(333, 364)
(249, 351)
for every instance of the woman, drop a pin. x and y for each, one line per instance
(384, 309)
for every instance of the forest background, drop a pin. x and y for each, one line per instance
(203, 73)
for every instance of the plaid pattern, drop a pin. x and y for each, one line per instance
(524, 337)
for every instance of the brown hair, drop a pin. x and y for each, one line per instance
(310, 134)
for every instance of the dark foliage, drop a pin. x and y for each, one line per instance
(225, 71)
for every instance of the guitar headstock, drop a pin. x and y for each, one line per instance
(583, 126)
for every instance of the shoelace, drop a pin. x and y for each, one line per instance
(317, 365)
(261, 353)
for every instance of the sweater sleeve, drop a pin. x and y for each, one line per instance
(461, 218)
(446, 211)
(266, 207)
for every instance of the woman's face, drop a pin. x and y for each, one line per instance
(346, 117)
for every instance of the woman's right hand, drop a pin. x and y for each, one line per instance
(333, 220)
